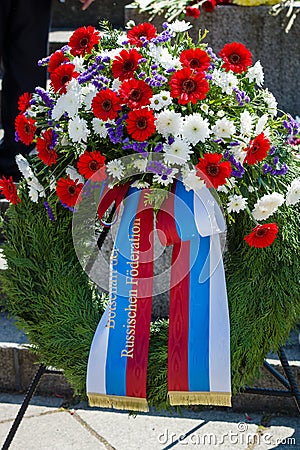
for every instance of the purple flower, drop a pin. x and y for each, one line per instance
(156, 167)
(272, 150)
(158, 148)
(45, 97)
(49, 211)
(70, 208)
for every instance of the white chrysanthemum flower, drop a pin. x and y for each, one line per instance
(293, 193)
(74, 175)
(111, 53)
(230, 81)
(231, 182)
(225, 80)
(179, 26)
(267, 205)
(271, 102)
(74, 86)
(140, 164)
(68, 103)
(58, 109)
(236, 203)
(221, 113)
(78, 130)
(115, 168)
(121, 38)
(224, 128)
(175, 63)
(256, 73)
(116, 85)
(261, 124)
(78, 62)
(192, 181)
(36, 190)
(246, 123)
(140, 184)
(99, 127)
(89, 93)
(64, 141)
(165, 179)
(24, 167)
(223, 188)
(163, 57)
(161, 100)
(169, 122)
(178, 152)
(205, 108)
(52, 183)
(131, 23)
(195, 129)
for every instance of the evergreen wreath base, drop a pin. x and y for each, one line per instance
(59, 308)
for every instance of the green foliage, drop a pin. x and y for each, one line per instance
(54, 301)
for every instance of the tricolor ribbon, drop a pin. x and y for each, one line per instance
(199, 334)
(117, 366)
(198, 348)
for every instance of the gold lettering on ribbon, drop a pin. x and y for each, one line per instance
(113, 288)
(132, 279)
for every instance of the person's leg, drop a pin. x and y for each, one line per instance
(24, 41)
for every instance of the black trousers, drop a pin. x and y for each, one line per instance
(24, 28)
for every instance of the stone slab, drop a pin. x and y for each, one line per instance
(69, 14)
(50, 430)
(262, 33)
(202, 429)
(18, 366)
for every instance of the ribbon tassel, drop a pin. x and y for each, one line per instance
(198, 370)
(117, 366)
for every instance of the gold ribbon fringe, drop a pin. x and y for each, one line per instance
(118, 402)
(199, 398)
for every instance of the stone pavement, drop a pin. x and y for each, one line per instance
(48, 425)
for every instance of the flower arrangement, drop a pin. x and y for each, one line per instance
(207, 119)
(147, 107)
(175, 9)
(291, 8)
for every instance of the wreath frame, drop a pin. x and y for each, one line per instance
(59, 308)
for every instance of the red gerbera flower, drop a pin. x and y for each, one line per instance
(45, 149)
(90, 164)
(236, 57)
(209, 5)
(9, 190)
(56, 59)
(262, 235)
(24, 102)
(68, 191)
(258, 149)
(212, 170)
(106, 104)
(140, 124)
(192, 11)
(143, 30)
(188, 86)
(125, 64)
(25, 129)
(135, 93)
(83, 40)
(61, 77)
(196, 59)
